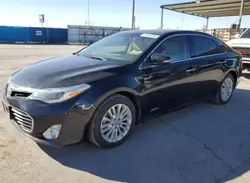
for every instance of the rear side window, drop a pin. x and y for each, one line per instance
(246, 34)
(221, 48)
(202, 46)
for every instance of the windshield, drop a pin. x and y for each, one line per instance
(246, 34)
(120, 46)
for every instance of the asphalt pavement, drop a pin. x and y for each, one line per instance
(200, 143)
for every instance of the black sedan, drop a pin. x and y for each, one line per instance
(104, 89)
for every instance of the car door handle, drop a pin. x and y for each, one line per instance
(190, 70)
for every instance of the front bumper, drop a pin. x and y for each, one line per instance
(73, 119)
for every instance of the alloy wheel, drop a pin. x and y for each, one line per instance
(227, 89)
(116, 123)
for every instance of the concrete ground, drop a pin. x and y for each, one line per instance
(201, 143)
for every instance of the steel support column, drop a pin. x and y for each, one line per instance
(240, 16)
(207, 24)
(162, 18)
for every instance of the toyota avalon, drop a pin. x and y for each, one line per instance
(103, 90)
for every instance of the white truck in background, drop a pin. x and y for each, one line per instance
(242, 45)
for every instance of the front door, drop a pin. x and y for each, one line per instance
(173, 84)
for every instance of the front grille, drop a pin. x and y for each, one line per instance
(245, 56)
(22, 119)
(245, 52)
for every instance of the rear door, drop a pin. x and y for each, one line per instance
(210, 56)
(171, 85)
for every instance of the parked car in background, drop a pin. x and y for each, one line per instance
(242, 45)
(104, 89)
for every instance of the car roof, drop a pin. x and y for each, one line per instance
(163, 32)
(156, 31)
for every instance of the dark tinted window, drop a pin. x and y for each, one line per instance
(202, 46)
(246, 34)
(221, 48)
(176, 47)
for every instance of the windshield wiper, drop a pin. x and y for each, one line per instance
(99, 58)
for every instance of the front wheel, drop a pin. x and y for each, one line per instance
(112, 122)
(225, 90)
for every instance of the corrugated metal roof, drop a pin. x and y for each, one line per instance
(211, 8)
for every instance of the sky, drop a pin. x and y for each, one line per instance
(115, 13)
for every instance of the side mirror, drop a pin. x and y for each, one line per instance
(160, 59)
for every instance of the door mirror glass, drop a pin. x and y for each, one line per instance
(160, 59)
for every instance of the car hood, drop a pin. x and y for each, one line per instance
(63, 71)
(241, 42)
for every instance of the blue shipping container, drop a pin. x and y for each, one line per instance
(37, 35)
(11, 34)
(57, 35)
(14, 34)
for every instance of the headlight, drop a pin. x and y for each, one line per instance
(54, 95)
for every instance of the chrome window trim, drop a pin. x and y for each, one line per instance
(189, 34)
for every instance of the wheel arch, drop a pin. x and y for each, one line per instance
(129, 93)
(135, 101)
(234, 74)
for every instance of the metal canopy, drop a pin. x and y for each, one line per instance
(211, 8)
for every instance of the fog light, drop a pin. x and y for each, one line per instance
(52, 132)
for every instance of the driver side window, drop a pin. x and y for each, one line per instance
(175, 47)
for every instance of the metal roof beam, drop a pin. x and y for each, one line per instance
(235, 4)
(219, 10)
(211, 8)
(193, 14)
(227, 14)
(202, 4)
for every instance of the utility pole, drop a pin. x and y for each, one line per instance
(88, 14)
(133, 15)
(161, 17)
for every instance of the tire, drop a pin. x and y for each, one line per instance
(101, 139)
(218, 98)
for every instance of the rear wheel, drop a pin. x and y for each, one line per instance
(225, 90)
(112, 122)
